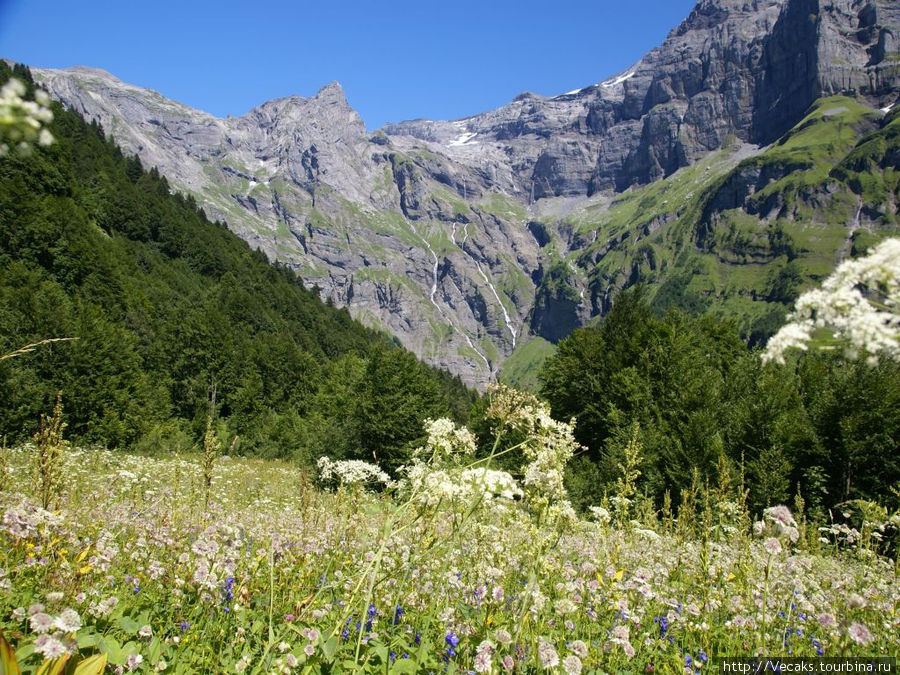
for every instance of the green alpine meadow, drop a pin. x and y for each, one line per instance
(591, 383)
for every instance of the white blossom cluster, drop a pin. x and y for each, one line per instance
(490, 483)
(601, 515)
(548, 446)
(859, 303)
(350, 472)
(22, 122)
(54, 633)
(28, 520)
(437, 476)
(432, 486)
(447, 443)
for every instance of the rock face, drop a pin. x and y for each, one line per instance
(439, 231)
(742, 68)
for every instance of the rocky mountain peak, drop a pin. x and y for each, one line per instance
(94, 72)
(332, 93)
(325, 117)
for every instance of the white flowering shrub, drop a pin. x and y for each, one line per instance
(350, 472)
(859, 303)
(22, 123)
(548, 446)
(601, 515)
(438, 475)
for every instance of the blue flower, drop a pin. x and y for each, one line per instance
(229, 593)
(451, 640)
(663, 625)
(398, 612)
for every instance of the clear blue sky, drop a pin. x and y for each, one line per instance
(396, 60)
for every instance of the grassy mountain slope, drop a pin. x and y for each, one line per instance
(737, 235)
(740, 233)
(164, 303)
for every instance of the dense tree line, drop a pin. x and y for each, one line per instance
(824, 425)
(164, 304)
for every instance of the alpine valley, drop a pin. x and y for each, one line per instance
(727, 170)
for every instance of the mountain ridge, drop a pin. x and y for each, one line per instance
(443, 232)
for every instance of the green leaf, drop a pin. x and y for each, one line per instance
(404, 666)
(154, 650)
(330, 647)
(129, 625)
(54, 667)
(382, 652)
(8, 663)
(87, 640)
(92, 665)
(111, 648)
(24, 652)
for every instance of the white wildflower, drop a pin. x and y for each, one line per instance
(350, 472)
(579, 648)
(68, 621)
(860, 634)
(489, 483)
(547, 655)
(446, 443)
(600, 514)
(859, 303)
(50, 647)
(572, 665)
(42, 622)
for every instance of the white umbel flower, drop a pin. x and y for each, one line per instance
(350, 472)
(859, 303)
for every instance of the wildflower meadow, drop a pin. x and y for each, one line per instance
(455, 567)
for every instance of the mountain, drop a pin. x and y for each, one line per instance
(163, 305)
(467, 239)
